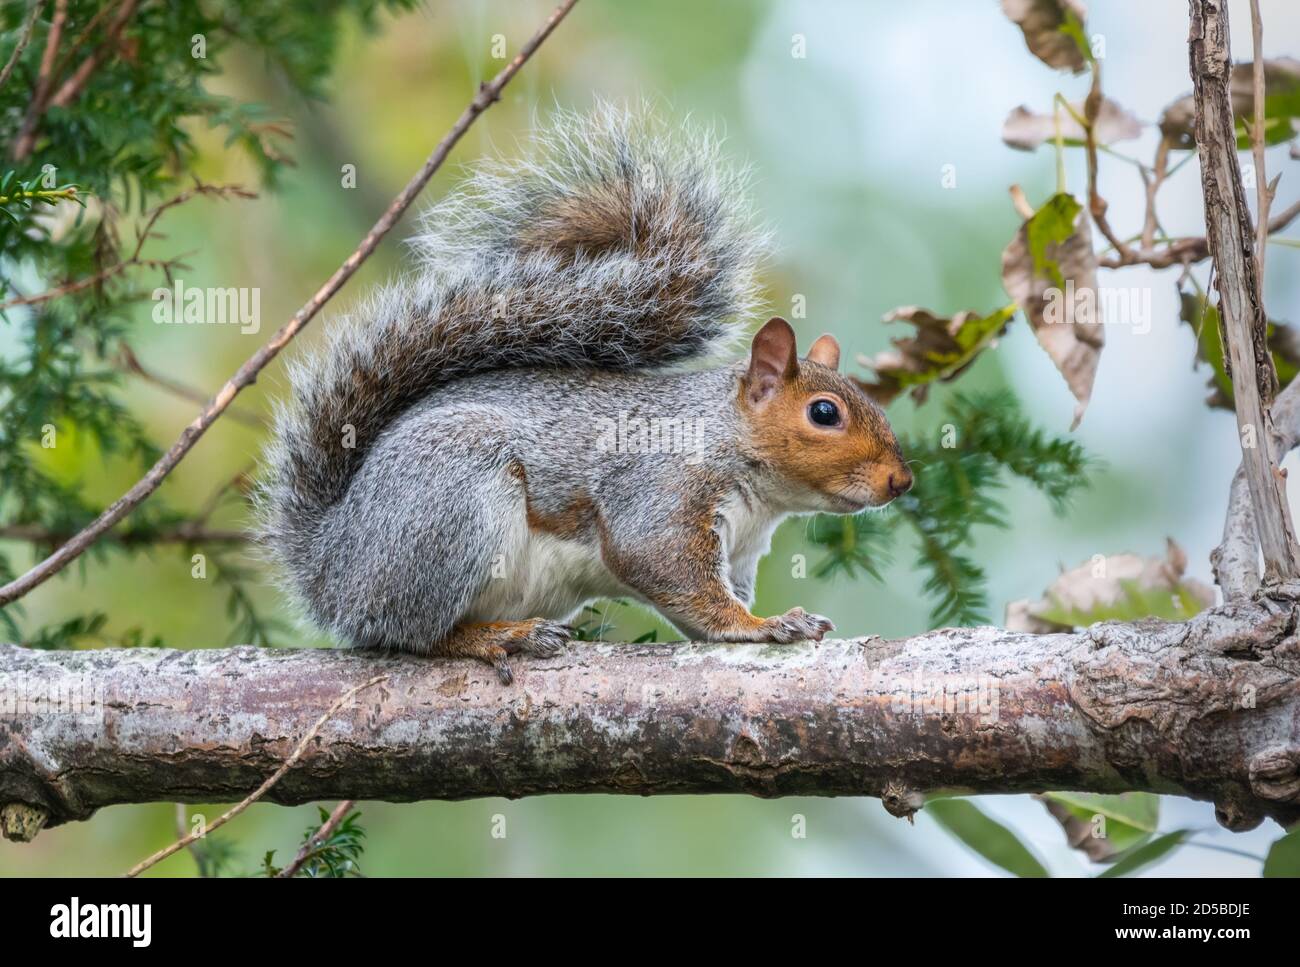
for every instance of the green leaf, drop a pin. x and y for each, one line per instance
(1146, 854)
(1130, 817)
(940, 351)
(987, 837)
(1281, 106)
(1074, 29)
(269, 868)
(1176, 604)
(1283, 858)
(1051, 225)
(1203, 317)
(1054, 32)
(1140, 810)
(336, 857)
(1117, 587)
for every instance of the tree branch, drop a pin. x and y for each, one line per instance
(1263, 190)
(314, 842)
(488, 93)
(128, 362)
(184, 533)
(26, 138)
(24, 37)
(1236, 560)
(1153, 181)
(1194, 248)
(1243, 322)
(1208, 709)
(1096, 204)
(135, 259)
(261, 790)
(74, 85)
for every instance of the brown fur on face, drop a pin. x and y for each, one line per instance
(851, 466)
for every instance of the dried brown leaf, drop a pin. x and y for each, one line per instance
(1281, 95)
(1026, 130)
(1111, 585)
(1079, 833)
(941, 350)
(1050, 269)
(1041, 22)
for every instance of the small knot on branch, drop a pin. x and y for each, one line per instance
(487, 94)
(1287, 591)
(1235, 811)
(901, 800)
(1275, 774)
(20, 822)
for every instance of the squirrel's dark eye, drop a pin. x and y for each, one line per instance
(824, 413)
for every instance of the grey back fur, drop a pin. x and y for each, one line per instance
(613, 248)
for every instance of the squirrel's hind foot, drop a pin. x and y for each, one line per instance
(493, 642)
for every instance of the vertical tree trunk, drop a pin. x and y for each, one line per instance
(1241, 311)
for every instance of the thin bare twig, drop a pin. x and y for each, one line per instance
(487, 94)
(194, 530)
(26, 139)
(1021, 203)
(70, 288)
(1235, 561)
(146, 231)
(73, 86)
(1191, 249)
(261, 790)
(184, 533)
(181, 820)
(1263, 190)
(1096, 204)
(135, 259)
(66, 57)
(1153, 181)
(321, 835)
(24, 37)
(128, 363)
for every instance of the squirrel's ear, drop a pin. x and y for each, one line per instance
(773, 359)
(825, 351)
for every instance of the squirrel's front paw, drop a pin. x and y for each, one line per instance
(539, 637)
(797, 625)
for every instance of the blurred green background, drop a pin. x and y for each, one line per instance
(848, 147)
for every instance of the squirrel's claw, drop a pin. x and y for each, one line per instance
(504, 674)
(797, 625)
(539, 638)
(545, 639)
(495, 642)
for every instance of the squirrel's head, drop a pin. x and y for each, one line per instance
(829, 443)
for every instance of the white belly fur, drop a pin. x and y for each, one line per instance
(539, 575)
(746, 533)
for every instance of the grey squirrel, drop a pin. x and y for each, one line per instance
(509, 434)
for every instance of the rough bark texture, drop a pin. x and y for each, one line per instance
(1230, 236)
(1236, 560)
(1209, 709)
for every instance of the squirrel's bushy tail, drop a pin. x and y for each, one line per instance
(614, 244)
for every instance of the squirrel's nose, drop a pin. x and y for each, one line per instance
(900, 482)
